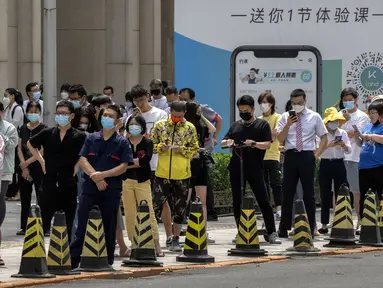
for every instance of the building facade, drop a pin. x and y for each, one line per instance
(99, 42)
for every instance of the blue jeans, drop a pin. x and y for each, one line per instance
(80, 182)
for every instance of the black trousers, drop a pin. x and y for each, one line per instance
(57, 196)
(210, 198)
(298, 166)
(257, 184)
(370, 179)
(330, 170)
(272, 170)
(26, 192)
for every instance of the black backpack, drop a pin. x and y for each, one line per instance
(25, 116)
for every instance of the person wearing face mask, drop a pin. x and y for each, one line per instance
(77, 96)
(298, 130)
(136, 186)
(129, 105)
(176, 143)
(61, 146)
(34, 94)
(353, 116)
(64, 92)
(9, 134)
(370, 139)
(255, 134)
(109, 91)
(332, 168)
(271, 164)
(171, 95)
(32, 173)
(157, 99)
(105, 157)
(13, 103)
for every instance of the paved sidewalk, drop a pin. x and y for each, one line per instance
(222, 231)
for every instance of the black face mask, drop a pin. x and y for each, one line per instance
(155, 92)
(246, 116)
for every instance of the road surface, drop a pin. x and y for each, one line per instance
(351, 271)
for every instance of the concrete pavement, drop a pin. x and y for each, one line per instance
(351, 271)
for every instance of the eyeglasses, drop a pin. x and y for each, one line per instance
(62, 114)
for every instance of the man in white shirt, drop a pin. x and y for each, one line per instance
(298, 130)
(171, 96)
(157, 99)
(152, 115)
(34, 94)
(354, 117)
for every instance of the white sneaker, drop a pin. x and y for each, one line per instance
(209, 240)
(234, 241)
(357, 230)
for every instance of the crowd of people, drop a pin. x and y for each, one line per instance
(157, 147)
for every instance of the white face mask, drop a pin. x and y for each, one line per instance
(64, 95)
(265, 107)
(6, 101)
(298, 108)
(333, 125)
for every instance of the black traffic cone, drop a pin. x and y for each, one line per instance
(303, 241)
(33, 262)
(94, 257)
(59, 261)
(369, 233)
(342, 231)
(380, 217)
(247, 240)
(195, 248)
(143, 250)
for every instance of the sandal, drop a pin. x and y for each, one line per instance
(162, 254)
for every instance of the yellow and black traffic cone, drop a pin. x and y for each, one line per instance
(369, 232)
(143, 249)
(195, 248)
(247, 240)
(94, 257)
(303, 241)
(342, 231)
(33, 260)
(380, 217)
(59, 261)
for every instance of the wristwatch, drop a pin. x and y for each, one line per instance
(254, 144)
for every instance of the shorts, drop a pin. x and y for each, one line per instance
(120, 221)
(352, 176)
(200, 179)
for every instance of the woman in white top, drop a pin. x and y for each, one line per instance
(332, 167)
(13, 103)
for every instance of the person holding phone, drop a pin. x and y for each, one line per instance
(371, 155)
(298, 129)
(354, 117)
(256, 135)
(331, 166)
(271, 164)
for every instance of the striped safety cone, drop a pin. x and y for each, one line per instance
(94, 257)
(33, 260)
(303, 241)
(342, 231)
(369, 232)
(195, 248)
(143, 249)
(247, 243)
(59, 261)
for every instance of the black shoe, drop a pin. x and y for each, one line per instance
(20, 232)
(47, 234)
(212, 217)
(323, 231)
(282, 233)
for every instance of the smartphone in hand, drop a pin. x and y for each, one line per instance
(338, 138)
(292, 113)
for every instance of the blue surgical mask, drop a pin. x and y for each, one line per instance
(349, 105)
(62, 120)
(36, 96)
(76, 103)
(107, 123)
(135, 130)
(33, 117)
(333, 125)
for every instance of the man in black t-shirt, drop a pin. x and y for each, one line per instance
(255, 134)
(62, 145)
